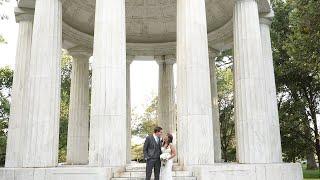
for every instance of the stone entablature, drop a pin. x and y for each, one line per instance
(220, 35)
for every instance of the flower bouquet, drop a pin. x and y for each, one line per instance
(164, 157)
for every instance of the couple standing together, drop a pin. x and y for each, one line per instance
(159, 153)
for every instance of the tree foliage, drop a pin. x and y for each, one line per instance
(296, 49)
(143, 125)
(64, 104)
(137, 152)
(226, 107)
(2, 40)
(6, 79)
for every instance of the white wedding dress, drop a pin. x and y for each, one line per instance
(166, 171)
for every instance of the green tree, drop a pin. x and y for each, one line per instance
(6, 78)
(2, 40)
(137, 152)
(295, 37)
(64, 104)
(304, 49)
(144, 124)
(226, 106)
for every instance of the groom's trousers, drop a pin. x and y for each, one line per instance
(153, 164)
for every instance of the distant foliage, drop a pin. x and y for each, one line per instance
(6, 78)
(64, 104)
(226, 106)
(137, 152)
(296, 49)
(2, 40)
(143, 125)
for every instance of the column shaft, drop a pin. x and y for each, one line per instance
(78, 124)
(250, 98)
(128, 92)
(41, 104)
(108, 139)
(15, 143)
(166, 107)
(215, 110)
(195, 133)
(272, 108)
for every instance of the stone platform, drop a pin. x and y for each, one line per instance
(223, 171)
(234, 171)
(58, 173)
(137, 172)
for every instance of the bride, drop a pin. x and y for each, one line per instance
(170, 150)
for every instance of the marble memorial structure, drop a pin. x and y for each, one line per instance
(189, 33)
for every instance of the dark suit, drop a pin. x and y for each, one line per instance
(152, 152)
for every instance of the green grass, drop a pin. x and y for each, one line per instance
(310, 174)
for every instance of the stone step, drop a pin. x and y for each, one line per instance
(137, 174)
(143, 178)
(142, 167)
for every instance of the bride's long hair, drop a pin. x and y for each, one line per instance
(170, 139)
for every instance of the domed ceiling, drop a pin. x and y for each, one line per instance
(147, 21)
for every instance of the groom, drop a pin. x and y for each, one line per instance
(152, 152)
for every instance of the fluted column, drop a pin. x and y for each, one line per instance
(15, 142)
(41, 104)
(78, 124)
(215, 108)
(272, 108)
(195, 132)
(108, 139)
(128, 92)
(250, 97)
(166, 107)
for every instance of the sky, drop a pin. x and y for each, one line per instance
(144, 74)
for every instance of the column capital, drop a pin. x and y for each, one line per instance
(80, 52)
(170, 59)
(160, 59)
(23, 14)
(130, 58)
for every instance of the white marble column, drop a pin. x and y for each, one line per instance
(78, 124)
(160, 61)
(166, 107)
(250, 97)
(215, 108)
(128, 92)
(272, 108)
(195, 132)
(108, 139)
(41, 104)
(15, 143)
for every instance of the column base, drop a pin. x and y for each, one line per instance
(234, 171)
